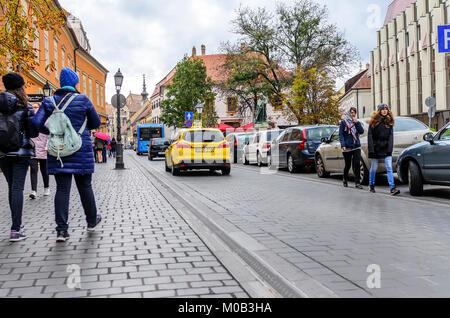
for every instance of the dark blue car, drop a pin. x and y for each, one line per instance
(427, 162)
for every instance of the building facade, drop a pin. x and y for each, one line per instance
(357, 93)
(406, 66)
(70, 48)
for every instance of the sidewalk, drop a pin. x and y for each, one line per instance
(142, 248)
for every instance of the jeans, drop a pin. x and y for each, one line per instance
(353, 158)
(35, 164)
(389, 170)
(15, 170)
(104, 155)
(62, 197)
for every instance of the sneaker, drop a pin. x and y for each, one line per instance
(395, 192)
(91, 227)
(345, 184)
(372, 189)
(62, 236)
(17, 236)
(47, 192)
(33, 195)
(359, 187)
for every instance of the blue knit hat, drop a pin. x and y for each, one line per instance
(68, 78)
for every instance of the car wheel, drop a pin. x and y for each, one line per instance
(226, 171)
(245, 161)
(167, 168)
(175, 171)
(291, 164)
(415, 179)
(365, 174)
(320, 168)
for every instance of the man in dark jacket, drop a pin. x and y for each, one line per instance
(349, 132)
(381, 145)
(81, 164)
(14, 164)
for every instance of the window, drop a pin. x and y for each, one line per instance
(317, 134)
(445, 135)
(36, 45)
(203, 136)
(84, 84)
(55, 51)
(63, 58)
(46, 49)
(90, 88)
(407, 124)
(102, 97)
(286, 136)
(231, 104)
(98, 94)
(296, 135)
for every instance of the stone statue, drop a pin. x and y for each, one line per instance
(261, 111)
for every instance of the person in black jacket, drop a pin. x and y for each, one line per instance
(381, 145)
(349, 132)
(15, 164)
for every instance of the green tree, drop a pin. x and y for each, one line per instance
(19, 22)
(190, 86)
(312, 98)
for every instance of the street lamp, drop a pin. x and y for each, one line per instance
(47, 90)
(118, 80)
(199, 109)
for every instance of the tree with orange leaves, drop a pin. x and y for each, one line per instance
(20, 20)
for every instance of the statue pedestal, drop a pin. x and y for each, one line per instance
(264, 125)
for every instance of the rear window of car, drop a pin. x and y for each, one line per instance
(159, 142)
(408, 124)
(203, 136)
(316, 134)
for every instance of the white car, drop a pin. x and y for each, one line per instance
(256, 149)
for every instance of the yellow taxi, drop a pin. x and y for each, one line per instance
(197, 149)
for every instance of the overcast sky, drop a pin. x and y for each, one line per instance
(151, 36)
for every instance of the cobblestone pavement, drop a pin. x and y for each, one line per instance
(142, 248)
(334, 234)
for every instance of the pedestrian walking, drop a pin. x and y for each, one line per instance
(113, 147)
(93, 147)
(381, 145)
(16, 147)
(349, 133)
(99, 145)
(105, 152)
(39, 162)
(80, 165)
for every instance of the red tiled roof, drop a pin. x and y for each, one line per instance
(359, 81)
(395, 8)
(214, 65)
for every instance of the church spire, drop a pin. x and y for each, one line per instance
(144, 92)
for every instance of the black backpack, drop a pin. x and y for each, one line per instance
(10, 135)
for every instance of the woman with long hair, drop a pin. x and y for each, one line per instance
(381, 145)
(16, 150)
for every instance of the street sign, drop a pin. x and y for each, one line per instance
(430, 102)
(35, 98)
(189, 116)
(189, 123)
(444, 38)
(123, 101)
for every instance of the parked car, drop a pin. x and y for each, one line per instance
(198, 149)
(237, 142)
(257, 148)
(295, 147)
(157, 148)
(427, 162)
(329, 157)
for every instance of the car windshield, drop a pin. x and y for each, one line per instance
(272, 135)
(408, 124)
(316, 134)
(159, 142)
(203, 136)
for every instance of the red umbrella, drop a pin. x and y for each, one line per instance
(225, 127)
(102, 136)
(246, 127)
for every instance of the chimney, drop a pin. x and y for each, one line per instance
(203, 49)
(194, 52)
(367, 66)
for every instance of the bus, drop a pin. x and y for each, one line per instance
(145, 133)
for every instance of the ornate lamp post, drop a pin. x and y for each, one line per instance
(199, 109)
(47, 90)
(118, 79)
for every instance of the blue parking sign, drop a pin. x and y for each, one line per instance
(189, 116)
(444, 38)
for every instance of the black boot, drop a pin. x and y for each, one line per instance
(372, 189)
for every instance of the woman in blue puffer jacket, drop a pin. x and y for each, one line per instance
(15, 164)
(81, 164)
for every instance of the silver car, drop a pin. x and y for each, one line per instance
(329, 158)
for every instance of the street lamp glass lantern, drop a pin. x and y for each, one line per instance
(118, 79)
(47, 89)
(199, 109)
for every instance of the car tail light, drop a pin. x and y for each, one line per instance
(304, 141)
(236, 143)
(266, 146)
(224, 145)
(183, 145)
